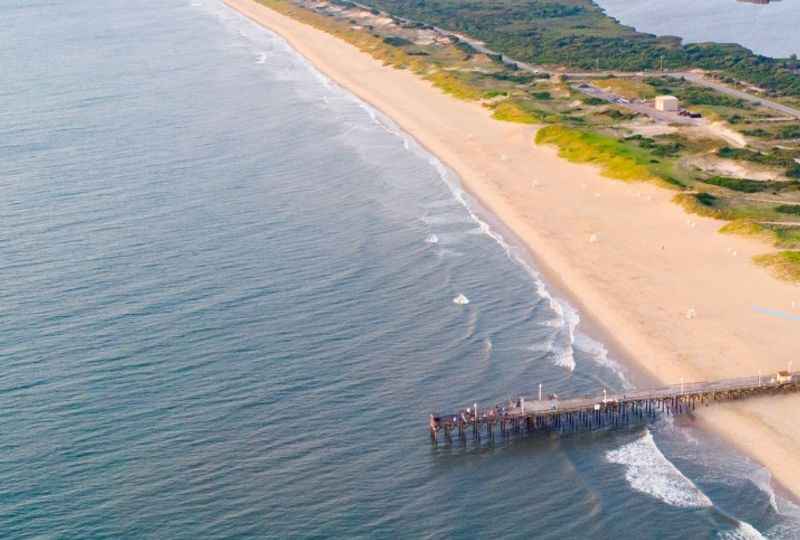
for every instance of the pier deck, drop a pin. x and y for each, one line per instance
(608, 410)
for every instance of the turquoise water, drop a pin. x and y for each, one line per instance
(769, 29)
(227, 310)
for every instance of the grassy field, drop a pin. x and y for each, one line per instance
(628, 88)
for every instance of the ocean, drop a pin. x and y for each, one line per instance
(233, 292)
(768, 29)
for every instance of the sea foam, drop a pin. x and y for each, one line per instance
(744, 531)
(647, 470)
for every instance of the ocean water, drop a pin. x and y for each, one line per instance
(768, 29)
(232, 293)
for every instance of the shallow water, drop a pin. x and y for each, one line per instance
(769, 29)
(228, 308)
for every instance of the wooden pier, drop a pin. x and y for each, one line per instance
(551, 414)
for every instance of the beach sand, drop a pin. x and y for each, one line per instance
(647, 264)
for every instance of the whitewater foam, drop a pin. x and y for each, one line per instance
(599, 354)
(647, 470)
(744, 531)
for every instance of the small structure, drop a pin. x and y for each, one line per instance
(667, 103)
(783, 377)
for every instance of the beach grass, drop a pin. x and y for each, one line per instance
(704, 204)
(713, 206)
(783, 237)
(617, 159)
(783, 265)
(516, 111)
(455, 85)
(745, 227)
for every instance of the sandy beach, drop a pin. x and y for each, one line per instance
(629, 259)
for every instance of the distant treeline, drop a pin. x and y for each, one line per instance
(577, 33)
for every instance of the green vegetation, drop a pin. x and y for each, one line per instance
(396, 41)
(694, 95)
(744, 185)
(789, 132)
(616, 158)
(757, 132)
(778, 235)
(577, 33)
(661, 150)
(628, 88)
(518, 111)
(784, 264)
(593, 100)
(776, 158)
(789, 209)
(455, 84)
(705, 204)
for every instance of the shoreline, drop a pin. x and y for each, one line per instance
(630, 293)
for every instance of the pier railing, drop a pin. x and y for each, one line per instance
(603, 411)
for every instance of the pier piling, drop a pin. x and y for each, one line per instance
(606, 411)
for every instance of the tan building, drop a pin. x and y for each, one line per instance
(667, 103)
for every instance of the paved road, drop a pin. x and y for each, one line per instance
(723, 89)
(641, 108)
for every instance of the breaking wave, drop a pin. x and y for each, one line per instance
(647, 470)
(744, 531)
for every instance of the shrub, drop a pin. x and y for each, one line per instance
(396, 41)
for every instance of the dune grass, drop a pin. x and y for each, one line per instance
(745, 227)
(708, 205)
(784, 265)
(453, 84)
(702, 204)
(515, 111)
(617, 159)
(779, 236)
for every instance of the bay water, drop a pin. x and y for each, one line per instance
(769, 29)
